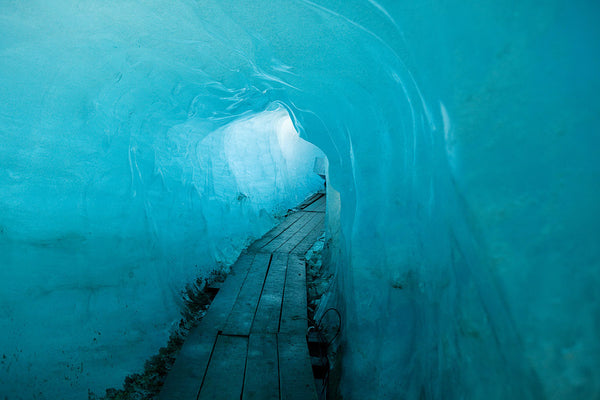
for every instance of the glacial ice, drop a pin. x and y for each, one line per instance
(463, 182)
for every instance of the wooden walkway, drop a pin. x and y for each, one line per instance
(251, 344)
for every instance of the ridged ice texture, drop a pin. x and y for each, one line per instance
(461, 138)
(126, 172)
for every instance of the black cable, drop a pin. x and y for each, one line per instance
(319, 326)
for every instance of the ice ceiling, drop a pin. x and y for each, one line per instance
(462, 142)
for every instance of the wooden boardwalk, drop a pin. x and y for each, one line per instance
(251, 344)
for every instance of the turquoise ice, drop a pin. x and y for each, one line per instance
(464, 182)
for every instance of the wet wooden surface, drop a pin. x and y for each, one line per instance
(251, 344)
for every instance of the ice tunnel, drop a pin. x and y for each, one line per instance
(144, 143)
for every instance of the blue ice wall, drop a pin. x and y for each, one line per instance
(126, 171)
(461, 139)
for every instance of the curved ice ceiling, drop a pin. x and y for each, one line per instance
(460, 137)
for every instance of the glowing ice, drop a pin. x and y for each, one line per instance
(460, 141)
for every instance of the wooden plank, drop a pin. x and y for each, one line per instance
(223, 303)
(311, 225)
(307, 243)
(267, 315)
(225, 375)
(289, 233)
(311, 238)
(317, 206)
(275, 232)
(295, 372)
(184, 380)
(293, 309)
(249, 299)
(240, 319)
(310, 200)
(262, 368)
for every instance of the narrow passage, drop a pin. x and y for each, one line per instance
(251, 344)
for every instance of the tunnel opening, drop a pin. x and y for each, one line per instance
(255, 164)
(261, 159)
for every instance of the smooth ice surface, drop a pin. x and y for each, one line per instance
(117, 189)
(461, 140)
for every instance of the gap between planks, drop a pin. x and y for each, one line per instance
(235, 321)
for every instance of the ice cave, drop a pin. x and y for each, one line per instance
(146, 144)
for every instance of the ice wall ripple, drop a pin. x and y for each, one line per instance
(437, 290)
(458, 138)
(116, 188)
